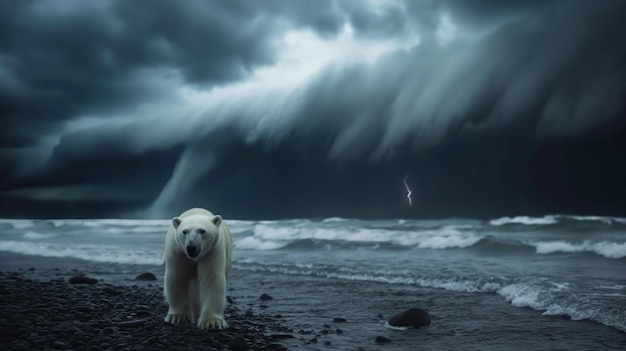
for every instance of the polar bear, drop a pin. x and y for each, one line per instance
(198, 250)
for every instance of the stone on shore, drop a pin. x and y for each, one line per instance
(265, 297)
(413, 317)
(147, 276)
(382, 340)
(82, 280)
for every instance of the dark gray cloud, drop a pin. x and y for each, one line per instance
(458, 92)
(60, 59)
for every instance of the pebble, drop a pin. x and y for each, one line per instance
(132, 324)
(59, 345)
(85, 309)
(82, 280)
(142, 313)
(382, 340)
(265, 297)
(109, 290)
(282, 336)
(238, 343)
(143, 308)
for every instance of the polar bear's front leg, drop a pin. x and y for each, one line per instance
(176, 287)
(212, 297)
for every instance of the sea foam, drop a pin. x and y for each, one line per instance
(550, 219)
(602, 248)
(268, 237)
(19, 223)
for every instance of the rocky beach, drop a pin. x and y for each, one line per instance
(83, 313)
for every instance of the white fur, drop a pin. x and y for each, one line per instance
(195, 288)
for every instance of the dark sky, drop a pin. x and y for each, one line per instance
(282, 109)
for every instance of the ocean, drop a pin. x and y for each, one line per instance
(552, 282)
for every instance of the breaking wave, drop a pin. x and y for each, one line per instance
(266, 237)
(603, 248)
(558, 219)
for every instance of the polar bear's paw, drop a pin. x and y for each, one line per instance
(177, 318)
(215, 323)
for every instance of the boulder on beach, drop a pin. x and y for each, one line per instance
(147, 276)
(413, 317)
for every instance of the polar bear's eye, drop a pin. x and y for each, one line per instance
(201, 231)
(185, 232)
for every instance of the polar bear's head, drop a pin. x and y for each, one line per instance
(197, 234)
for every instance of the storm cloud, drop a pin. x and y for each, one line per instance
(283, 108)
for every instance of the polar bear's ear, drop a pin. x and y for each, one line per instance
(176, 222)
(217, 220)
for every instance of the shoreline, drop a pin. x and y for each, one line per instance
(42, 310)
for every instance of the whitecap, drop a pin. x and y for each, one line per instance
(35, 235)
(19, 223)
(603, 248)
(549, 219)
(252, 243)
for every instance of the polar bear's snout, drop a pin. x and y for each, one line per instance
(192, 251)
(193, 246)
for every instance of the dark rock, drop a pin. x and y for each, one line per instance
(109, 290)
(238, 343)
(132, 324)
(265, 297)
(339, 320)
(413, 317)
(142, 313)
(143, 308)
(59, 345)
(85, 309)
(147, 276)
(280, 336)
(224, 337)
(382, 340)
(82, 280)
